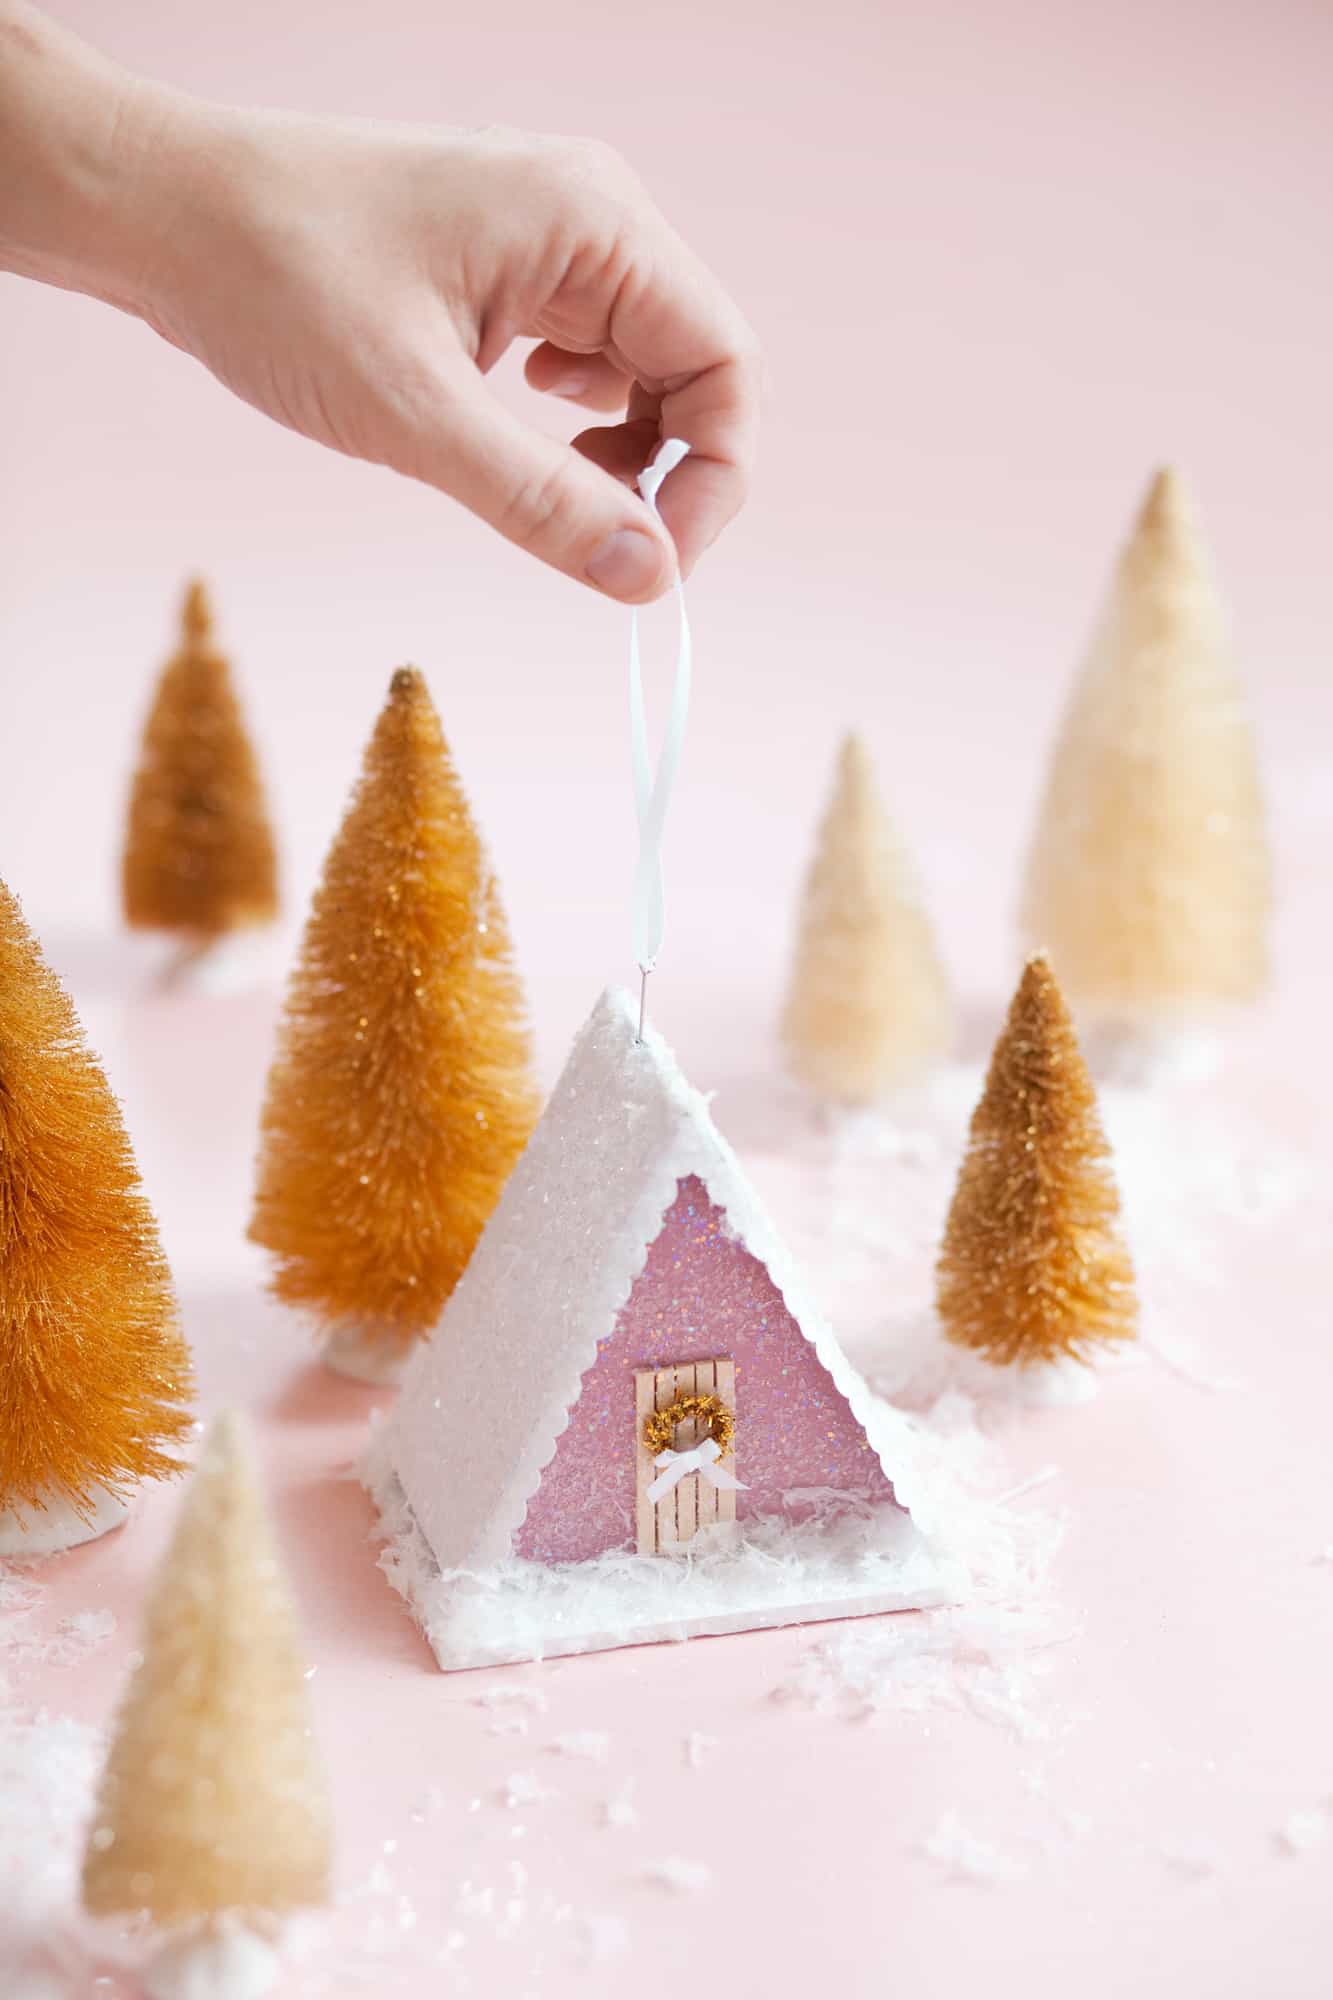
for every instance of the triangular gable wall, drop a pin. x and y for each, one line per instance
(701, 1296)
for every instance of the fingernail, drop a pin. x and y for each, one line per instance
(627, 564)
(576, 383)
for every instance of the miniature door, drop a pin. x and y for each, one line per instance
(685, 1466)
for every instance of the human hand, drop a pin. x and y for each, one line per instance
(357, 281)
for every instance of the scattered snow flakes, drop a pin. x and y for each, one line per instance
(593, 1745)
(698, 1747)
(523, 1788)
(968, 1859)
(430, 1806)
(621, 1810)
(74, 1638)
(1310, 1828)
(513, 1699)
(686, 1877)
(986, 1661)
(379, 1882)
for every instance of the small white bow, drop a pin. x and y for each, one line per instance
(701, 1458)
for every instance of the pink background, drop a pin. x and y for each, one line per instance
(1005, 258)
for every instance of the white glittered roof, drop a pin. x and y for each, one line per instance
(486, 1398)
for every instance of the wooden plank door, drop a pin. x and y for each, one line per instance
(667, 1525)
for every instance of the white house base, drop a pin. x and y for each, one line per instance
(847, 1560)
(46, 1530)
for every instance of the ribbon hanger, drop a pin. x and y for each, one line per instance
(652, 793)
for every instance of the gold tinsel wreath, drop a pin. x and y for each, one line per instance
(659, 1426)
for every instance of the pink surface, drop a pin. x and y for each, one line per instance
(1005, 258)
(701, 1297)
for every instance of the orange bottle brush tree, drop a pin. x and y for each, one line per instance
(94, 1374)
(1034, 1267)
(402, 1091)
(199, 857)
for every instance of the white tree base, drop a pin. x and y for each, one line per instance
(354, 1354)
(222, 1964)
(1048, 1385)
(45, 1531)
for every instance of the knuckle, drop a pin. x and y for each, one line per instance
(537, 513)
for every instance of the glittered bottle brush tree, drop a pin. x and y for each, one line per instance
(199, 859)
(868, 1008)
(1034, 1268)
(402, 1092)
(1149, 874)
(212, 1818)
(94, 1374)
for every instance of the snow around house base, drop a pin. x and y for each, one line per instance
(843, 1561)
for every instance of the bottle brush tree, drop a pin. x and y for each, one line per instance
(213, 1800)
(402, 1092)
(1033, 1265)
(199, 855)
(868, 1005)
(1149, 872)
(94, 1374)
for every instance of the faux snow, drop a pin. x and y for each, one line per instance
(686, 1877)
(841, 1557)
(592, 1744)
(1303, 1831)
(969, 1859)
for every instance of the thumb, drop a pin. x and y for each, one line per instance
(544, 495)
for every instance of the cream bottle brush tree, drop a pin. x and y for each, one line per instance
(868, 1006)
(94, 1372)
(1149, 876)
(402, 1092)
(212, 1815)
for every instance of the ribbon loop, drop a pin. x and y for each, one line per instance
(652, 794)
(701, 1458)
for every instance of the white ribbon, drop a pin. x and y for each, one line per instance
(652, 795)
(701, 1458)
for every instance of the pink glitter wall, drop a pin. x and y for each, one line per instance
(701, 1296)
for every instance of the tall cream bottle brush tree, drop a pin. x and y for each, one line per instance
(868, 1006)
(1149, 876)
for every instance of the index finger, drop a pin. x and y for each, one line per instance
(678, 334)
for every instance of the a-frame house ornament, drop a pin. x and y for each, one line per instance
(632, 1423)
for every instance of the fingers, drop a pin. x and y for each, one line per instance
(543, 495)
(663, 320)
(590, 379)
